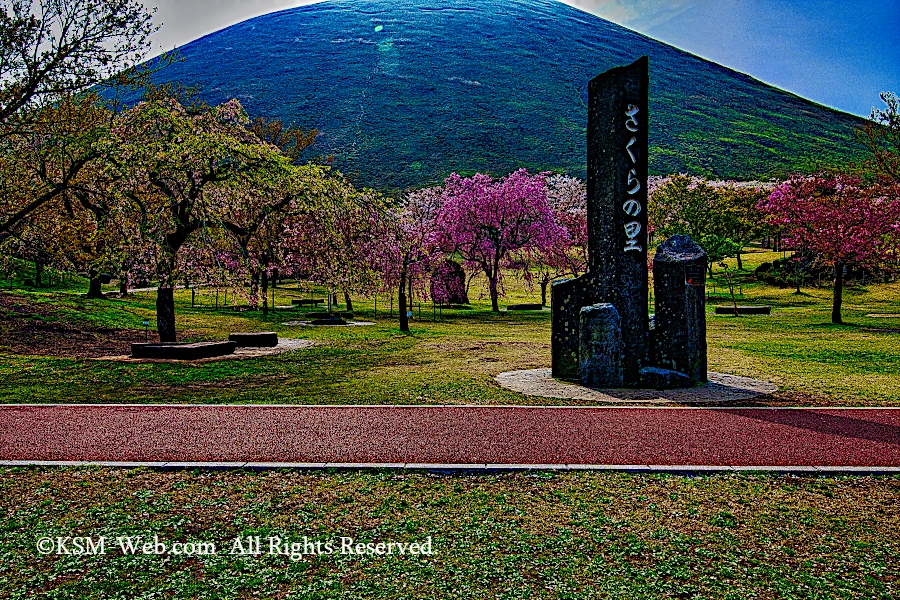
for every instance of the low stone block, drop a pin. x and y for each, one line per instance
(256, 339)
(663, 379)
(178, 351)
(744, 310)
(600, 348)
(328, 321)
(335, 314)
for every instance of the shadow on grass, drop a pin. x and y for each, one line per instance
(857, 327)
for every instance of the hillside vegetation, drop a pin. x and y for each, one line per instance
(405, 92)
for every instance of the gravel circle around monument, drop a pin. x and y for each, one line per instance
(720, 388)
(310, 324)
(284, 345)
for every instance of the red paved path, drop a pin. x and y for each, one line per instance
(453, 435)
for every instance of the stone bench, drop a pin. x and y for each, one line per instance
(744, 310)
(256, 339)
(307, 302)
(180, 351)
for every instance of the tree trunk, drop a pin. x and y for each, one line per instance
(348, 301)
(265, 293)
(165, 314)
(740, 262)
(254, 290)
(495, 294)
(404, 320)
(38, 272)
(838, 293)
(545, 281)
(95, 289)
(123, 285)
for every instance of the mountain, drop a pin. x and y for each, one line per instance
(404, 92)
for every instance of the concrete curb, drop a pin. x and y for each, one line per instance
(470, 468)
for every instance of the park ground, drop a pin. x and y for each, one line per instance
(50, 341)
(515, 535)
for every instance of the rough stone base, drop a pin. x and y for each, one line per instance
(720, 388)
(663, 379)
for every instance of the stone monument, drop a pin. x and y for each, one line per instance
(617, 223)
(679, 284)
(600, 321)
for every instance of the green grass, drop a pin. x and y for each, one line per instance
(536, 535)
(454, 358)
(541, 535)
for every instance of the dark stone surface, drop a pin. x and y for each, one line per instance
(178, 351)
(617, 222)
(679, 278)
(566, 300)
(256, 339)
(664, 379)
(600, 350)
(329, 321)
(744, 310)
(335, 314)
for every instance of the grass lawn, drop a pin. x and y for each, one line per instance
(540, 535)
(450, 360)
(534, 535)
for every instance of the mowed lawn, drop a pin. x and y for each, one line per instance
(539, 535)
(449, 358)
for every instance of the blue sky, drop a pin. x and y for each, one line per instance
(841, 53)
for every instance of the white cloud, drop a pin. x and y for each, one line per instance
(635, 14)
(186, 20)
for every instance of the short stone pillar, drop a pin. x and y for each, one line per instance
(679, 283)
(600, 348)
(565, 304)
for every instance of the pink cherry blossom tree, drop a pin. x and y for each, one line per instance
(406, 250)
(330, 242)
(839, 221)
(485, 221)
(567, 255)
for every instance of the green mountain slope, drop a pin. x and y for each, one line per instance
(405, 92)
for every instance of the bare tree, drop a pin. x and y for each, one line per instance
(53, 48)
(882, 136)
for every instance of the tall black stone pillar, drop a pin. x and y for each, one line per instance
(679, 281)
(617, 145)
(617, 148)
